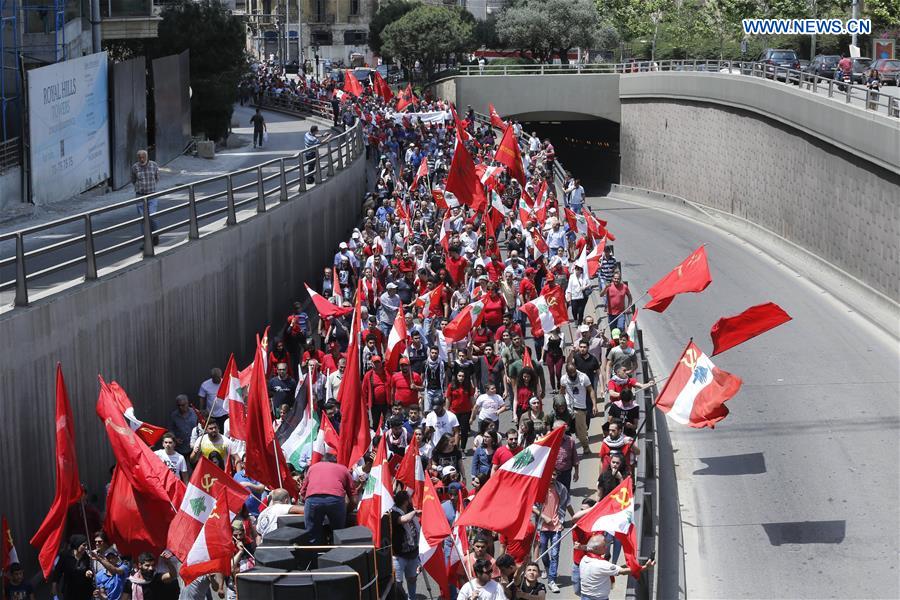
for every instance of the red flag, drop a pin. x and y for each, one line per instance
(692, 275)
(504, 503)
(8, 554)
(231, 396)
(547, 311)
(352, 84)
(354, 438)
(378, 494)
(540, 244)
(468, 319)
(324, 307)
(411, 473)
(396, 342)
(462, 180)
(68, 485)
(264, 459)
(615, 514)
(508, 154)
(381, 86)
(435, 529)
(728, 332)
(422, 171)
(126, 520)
(150, 434)
(496, 121)
(696, 391)
(406, 98)
(431, 301)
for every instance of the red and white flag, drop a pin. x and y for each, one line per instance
(421, 172)
(615, 514)
(696, 391)
(728, 332)
(539, 244)
(590, 261)
(430, 302)
(232, 396)
(547, 312)
(411, 473)
(445, 200)
(692, 275)
(631, 330)
(444, 236)
(150, 434)
(200, 534)
(324, 307)
(504, 503)
(468, 319)
(435, 529)
(489, 176)
(577, 223)
(396, 342)
(377, 497)
(326, 442)
(496, 119)
(8, 554)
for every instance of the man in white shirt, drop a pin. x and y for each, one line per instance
(556, 237)
(171, 458)
(482, 587)
(488, 407)
(209, 400)
(576, 196)
(596, 571)
(279, 505)
(333, 382)
(577, 389)
(440, 421)
(578, 290)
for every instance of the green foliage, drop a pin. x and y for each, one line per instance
(547, 26)
(486, 33)
(428, 34)
(884, 13)
(513, 60)
(388, 12)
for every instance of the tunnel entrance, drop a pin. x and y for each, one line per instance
(588, 149)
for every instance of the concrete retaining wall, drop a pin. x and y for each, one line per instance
(157, 328)
(830, 202)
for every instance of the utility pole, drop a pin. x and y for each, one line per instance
(812, 41)
(855, 15)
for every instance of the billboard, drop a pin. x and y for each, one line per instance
(68, 126)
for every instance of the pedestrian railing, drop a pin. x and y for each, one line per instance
(9, 154)
(290, 102)
(853, 94)
(103, 238)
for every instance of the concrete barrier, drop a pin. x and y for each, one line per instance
(157, 328)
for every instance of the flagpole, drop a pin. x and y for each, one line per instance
(562, 536)
(425, 578)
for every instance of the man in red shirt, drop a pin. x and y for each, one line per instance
(406, 384)
(514, 329)
(325, 488)
(456, 265)
(373, 330)
(618, 298)
(376, 389)
(504, 453)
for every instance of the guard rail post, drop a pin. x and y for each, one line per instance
(318, 166)
(90, 259)
(847, 89)
(282, 182)
(260, 191)
(21, 282)
(193, 227)
(231, 219)
(330, 150)
(148, 234)
(301, 173)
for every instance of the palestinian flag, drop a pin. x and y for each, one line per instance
(468, 319)
(299, 429)
(547, 312)
(377, 496)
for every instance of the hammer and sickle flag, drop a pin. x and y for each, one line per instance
(691, 275)
(615, 514)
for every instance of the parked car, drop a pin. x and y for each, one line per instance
(860, 68)
(824, 65)
(805, 65)
(776, 57)
(889, 69)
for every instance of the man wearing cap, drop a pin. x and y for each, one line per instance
(344, 252)
(620, 355)
(387, 312)
(376, 389)
(406, 384)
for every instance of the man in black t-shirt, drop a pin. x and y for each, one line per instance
(72, 577)
(405, 539)
(16, 588)
(588, 364)
(153, 585)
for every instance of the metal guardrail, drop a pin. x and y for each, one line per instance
(246, 188)
(856, 95)
(9, 154)
(290, 102)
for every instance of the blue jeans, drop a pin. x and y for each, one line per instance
(551, 559)
(615, 547)
(317, 508)
(153, 205)
(407, 568)
(576, 579)
(617, 322)
(430, 396)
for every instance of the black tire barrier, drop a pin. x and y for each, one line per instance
(361, 560)
(333, 583)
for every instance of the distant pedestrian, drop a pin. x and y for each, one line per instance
(145, 178)
(310, 140)
(259, 128)
(335, 110)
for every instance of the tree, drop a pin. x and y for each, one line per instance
(547, 26)
(388, 12)
(429, 34)
(216, 39)
(884, 13)
(486, 33)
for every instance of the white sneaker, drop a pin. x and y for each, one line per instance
(551, 585)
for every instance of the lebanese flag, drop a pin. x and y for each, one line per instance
(489, 176)
(539, 245)
(8, 554)
(504, 503)
(444, 236)
(382, 88)
(509, 155)
(692, 275)
(355, 439)
(728, 332)
(396, 342)
(421, 172)
(596, 227)
(547, 311)
(327, 441)
(377, 497)
(577, 223)
(462, 180)
(231, 394)
(496, 120)
(430, 302)
(590, 261)
(68, 485)
(411, 473)
(696, 391)
(352, 84)
(324, 307)
(615, 514)
(525, 215)
(631, 330)
(468, 319)
(264, 459)
(435, 529)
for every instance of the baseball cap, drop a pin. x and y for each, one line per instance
(615, 333)
(404, 360)
(448, 470)
(375, 358)
(583, 328)
(392, 286)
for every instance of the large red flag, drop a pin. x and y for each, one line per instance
(324, 307)
(150, 434)
(264, 459)
(68, 485)
(728, 332)
(422, 171)
(696, 391)
(463, 181)
(496, 120)
(435, 529)
(352, 84)
(508, 154)
(354, 436)
(692, 275)
(615, 514)
(468, 319)
(381, 87)
(128, 523)
(411, 473)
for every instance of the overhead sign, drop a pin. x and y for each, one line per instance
(68, 126)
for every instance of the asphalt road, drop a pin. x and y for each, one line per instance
(795, 494)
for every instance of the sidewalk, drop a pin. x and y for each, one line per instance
(285, 138)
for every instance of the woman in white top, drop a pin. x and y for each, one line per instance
(578, 291)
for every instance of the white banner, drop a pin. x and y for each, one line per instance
(68, 127)
(438, 116)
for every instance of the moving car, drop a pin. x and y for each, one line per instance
(779, 57)
(889, 69)
(824, 65)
